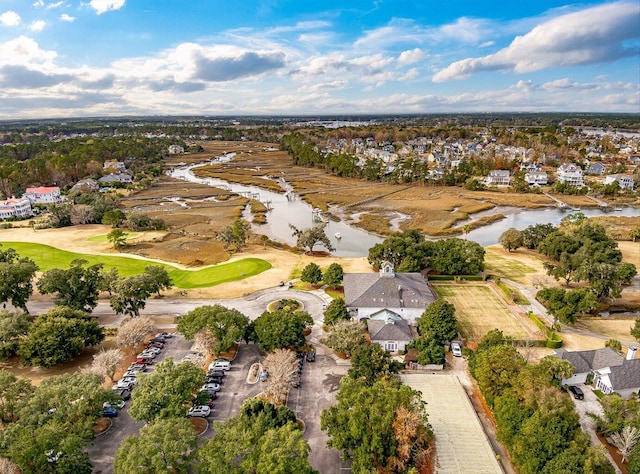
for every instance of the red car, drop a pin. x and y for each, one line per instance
(144, 360)
(159, 345)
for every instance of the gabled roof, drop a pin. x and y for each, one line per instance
(400, 290)
(42, 190)
(385, 314)
(389, 331)
(625, 376)
(586, 361)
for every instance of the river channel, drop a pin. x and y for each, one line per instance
(288, 209)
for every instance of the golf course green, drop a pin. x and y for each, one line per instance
(47, 257)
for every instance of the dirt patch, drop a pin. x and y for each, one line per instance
(199, 425)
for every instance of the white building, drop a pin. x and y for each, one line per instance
(623, 180)
(43, 195)
(536, 178)
(570, 174)
(498, 178)
(175, 149)
(13, 207)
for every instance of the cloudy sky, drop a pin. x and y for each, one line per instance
(191, 57)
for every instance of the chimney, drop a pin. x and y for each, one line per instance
(631, 353)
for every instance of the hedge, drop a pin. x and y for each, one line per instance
(553, 341)
(455, 277)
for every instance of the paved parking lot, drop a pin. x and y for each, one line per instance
(320, 383)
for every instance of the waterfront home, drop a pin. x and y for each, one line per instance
(570, 173)
(20, 207)
(625, 182)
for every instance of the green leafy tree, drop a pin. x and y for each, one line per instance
(363, 424)
(280, 329)
(113, 217)
(566, 305)
(407, 251)
(534, 234)
(336, 311)
(59, 335)
(77, 287)
(430, 351)
(14, 393)
(438, 322)
(167, 445)
(456, 257)
(635, 330)
(16, 278)
(260, 440)
(309, 238)
(613, 344)
(55, 424)
(13, 328)
(129, 295)
(495, 369)
(228, 326)
(371, 362)
(158, 278)
(345, 336)
(511, 239)
(165, 392)
(333, 275)
(311, 273)
(118, 238)
(235, 235)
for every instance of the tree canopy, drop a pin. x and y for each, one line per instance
(226, 325)
(16, 278)
(378, 425)
(235, 235)
(511, 239)
(333, 275)
(59, 335)
(336, 311)
(280, 329)
(371, 362)
(312, 236)
(165, 392)
(438, 322)
(76, 287)
(407, 251)
(311, 273)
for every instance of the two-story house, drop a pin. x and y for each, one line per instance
(43, 195)
(625, 182)
(570, 173)
(20, 207)
(498, 178)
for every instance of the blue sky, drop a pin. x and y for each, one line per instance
(159, 57)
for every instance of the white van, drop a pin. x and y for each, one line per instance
(220, 364)
(456, 349)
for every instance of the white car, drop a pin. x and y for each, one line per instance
(145, 354)
(199, 410)
(123, 385)
(220, 364)
(129, 379)
(166, 335)
(211, 387)
(456, 349)
(155, 350)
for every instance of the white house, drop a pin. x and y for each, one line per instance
(537, 178)
(612, 373)
(570, 174)
(13, 207)
(625, 182)
(175, 149)
(389, 331)
(498, 178)
(43, 195)
(405, 294)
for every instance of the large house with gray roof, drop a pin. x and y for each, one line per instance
(405, 294)
(612, 373)
(389, 330)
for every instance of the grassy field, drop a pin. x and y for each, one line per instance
(49, 257)
(613, 328)
(478, 310)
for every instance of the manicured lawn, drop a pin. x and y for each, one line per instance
(509, 268)
(49, 257)
(478, 311)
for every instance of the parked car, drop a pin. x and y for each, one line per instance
(311, 356)
(129, 379)
(211, 387)
(264, 375)
(123, 392)
(159, 345)
(146, 355)
(143, 360)
(123, 385)
(109, 412)
(216, 373)
(166, 335)
(577, 392)
(213, 379)
(212, 395)
(119, 405)
(456, 349)
(155, 350)
(220, 364)
(200, 411)
(138, 367)
(158, 339)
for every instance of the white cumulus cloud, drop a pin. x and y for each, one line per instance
(592, 35)
(103, 6)
(411, 56)
(10, 18)
(37, 25)
(67, 18)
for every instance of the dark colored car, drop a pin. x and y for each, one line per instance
(159, 345)
(158, 339)
(311, 356)
(216, 373)
(213, 379)
(109, 412)
(577, 392)
(212, 395)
